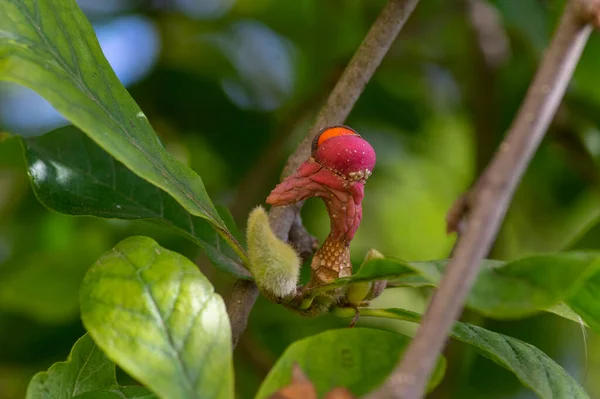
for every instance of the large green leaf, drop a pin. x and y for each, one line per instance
(530, 365)
(50, 47)
(358, 359)
(87, 369)
(71, 174)
(503, 290)
(158, 317)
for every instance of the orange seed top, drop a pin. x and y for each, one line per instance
(330, 132)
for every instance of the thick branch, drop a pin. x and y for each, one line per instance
(487, 205)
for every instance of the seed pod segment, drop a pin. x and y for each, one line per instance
(340, 164)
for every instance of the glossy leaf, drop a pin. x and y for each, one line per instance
(503, 290)
(50, 47)
(530, 365)
(358, 359)
(71, 174)
(87, 369)
(158, 317)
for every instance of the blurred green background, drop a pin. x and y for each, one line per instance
(231, 87)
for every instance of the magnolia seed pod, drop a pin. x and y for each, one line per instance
(342, 150)
(274, 264)
(341, 161)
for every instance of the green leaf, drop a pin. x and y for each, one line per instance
(532, 284)
(71, 174)
(503, 290)
(586, 302)
(358, 359)
(158, 317)
(565, 311)
(530, 365)
(118, 393)
(50, 47)
(86, 369)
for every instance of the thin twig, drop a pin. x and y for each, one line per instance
(340, 102)
(487, 206)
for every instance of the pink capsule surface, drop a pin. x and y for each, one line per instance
(350, 156)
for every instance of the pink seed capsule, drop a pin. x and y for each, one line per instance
(343, 151)
(337, 171)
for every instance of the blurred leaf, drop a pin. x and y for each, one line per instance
(71, 174)
(587, 303)
(503, 290)
(86, 369)
(118, 393)
(529, 364)
(158, 318)
(565, 311)
(526, 286)
(528, 18)
(358, 359)
(44, 287)
(50, 47)
(41, 278)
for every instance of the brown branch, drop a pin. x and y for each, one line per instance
(489, 49)
(340, 102)
(487, 205)
(240, 303)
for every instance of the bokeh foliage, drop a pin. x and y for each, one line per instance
(231, 95)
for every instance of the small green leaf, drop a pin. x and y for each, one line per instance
(274, 264)
(358, 359)
(503, 290)
(86, 369)
(50, 47)
(158, 317)
(565, 311)
(71, 174)
(529, 285)
(530, 365)
(586, 302)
